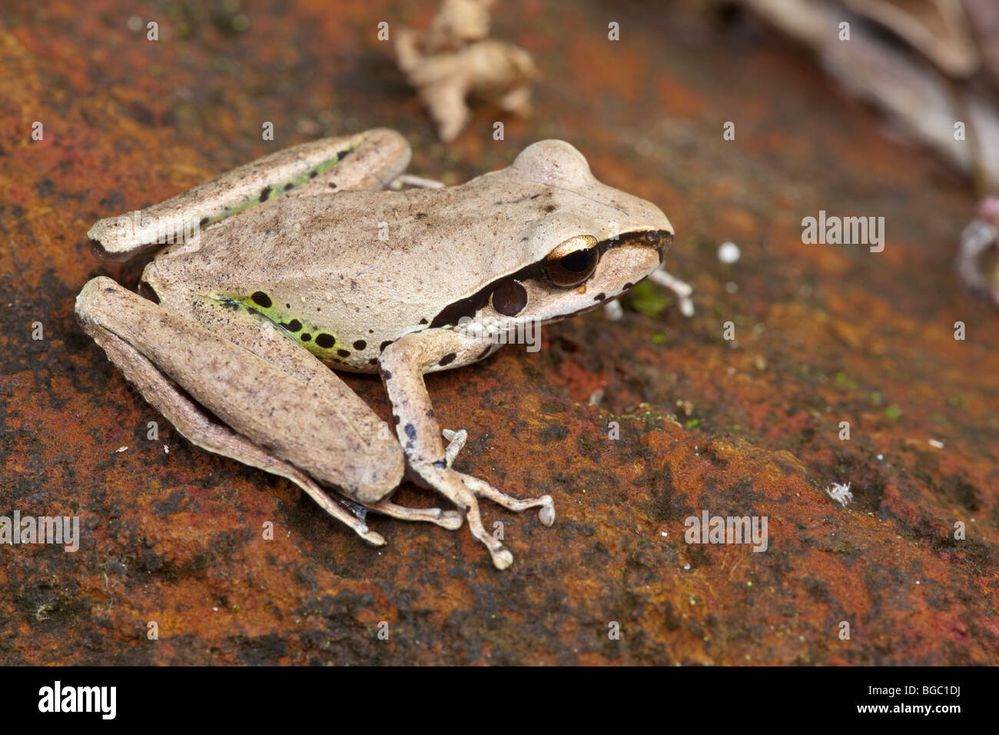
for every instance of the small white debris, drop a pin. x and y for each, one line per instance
(119, 450)
(166, 449)
(840, 493)
(215, 609)
(686, 567)
(936, 444)
(881, 458)
(732, 287)
(596, 397)
(664, 534)
(729, 252)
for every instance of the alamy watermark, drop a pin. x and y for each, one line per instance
(833, 230)
(501, 332)
(20, 530)
(709, 529)
(100, 700)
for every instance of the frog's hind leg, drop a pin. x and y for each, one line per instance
(201, 430)
(449, 519)
(285, 413)
(368, 160)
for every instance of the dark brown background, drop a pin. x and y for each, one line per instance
(824, 334)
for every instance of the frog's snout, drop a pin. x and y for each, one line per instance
(660, 240)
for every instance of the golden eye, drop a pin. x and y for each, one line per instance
(572, 262)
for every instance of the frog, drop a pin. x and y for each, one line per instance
(269, 280)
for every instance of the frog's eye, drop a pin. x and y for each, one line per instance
(572, 262)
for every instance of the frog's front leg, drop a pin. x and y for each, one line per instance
(664, 278)
(402, 365)
(682, 289)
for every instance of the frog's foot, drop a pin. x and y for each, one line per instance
(451, 485)
(456, 443)
(483, 489)
(614, 310)
(682, 289)
(414, 182)
(449, 519)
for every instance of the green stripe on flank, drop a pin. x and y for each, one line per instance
(315, 338)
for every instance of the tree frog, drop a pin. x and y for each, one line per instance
(308, 259)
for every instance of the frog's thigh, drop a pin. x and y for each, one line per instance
(307, 418)
(368, 160)
(202, 431)
(403, 364)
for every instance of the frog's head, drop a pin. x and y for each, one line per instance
(583, 243)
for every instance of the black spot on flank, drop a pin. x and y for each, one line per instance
(440, 464)
(264, 193)
(294, 325)
(430, 413)
(289, 186)
(550, 208)
(306, 337)
(373, 361)
(360, 345)
(395, 419)
(536, 195)
(423, 321)
(312, 174)
(447, 359)
(261, 299)
(386, 374)
(600, 296)
(251, 310)
(384, 344)
(343, 353)
(410, 432)
(420, 215)
(325, 341)
(341, 155)
(332, 184)
(203, 222)
(628, 285)
(287, 306)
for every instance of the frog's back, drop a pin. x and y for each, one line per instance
(347, 273)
